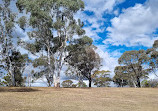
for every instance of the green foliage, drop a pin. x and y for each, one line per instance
(121, 77)
(85, 41)
(81, 84)
(74, 85)
(47, 17)
(136, 57)
(19, 80)
(101, 78)
(19, 62)
(67, 83)
(145, 83)
(7, 80)
(7, 26)
(41, 61)
(150, 83)
(82, 58)
(1, 84)
(22, 22)
(137, 65)
(134, 62)
(153, 58)
(42, 16)
(42, 64)
(155, 45)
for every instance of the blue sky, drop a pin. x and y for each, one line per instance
(117, 26)
(103, 21)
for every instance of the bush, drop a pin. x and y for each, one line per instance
(74, 86)
(81, 84)
(1, 84)
(150, 83)
(67, 83)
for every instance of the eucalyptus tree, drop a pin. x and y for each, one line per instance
(19, 63)
(136, 63)
(67, 83)
(82, 58)
(153, 61)
(75, 49)
(53, 26)
(43, 69)
(101, 78)
(121, 76)
(7, 23)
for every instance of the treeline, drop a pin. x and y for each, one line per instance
(134, 70)
(135, 67)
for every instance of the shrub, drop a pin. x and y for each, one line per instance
(67, 83)
(81, 84)
(150, 83)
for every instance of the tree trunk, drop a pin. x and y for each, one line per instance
(11, 71)
(80, 82)
(90, 82)
(12, 77)
(56, 81)
(121, 82)
(49, 84)
(57, 84)
(138, 82)
(134, 84)
(63, 46)
(49, 65)
(28, 80)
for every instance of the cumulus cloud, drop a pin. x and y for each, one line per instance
(101, 6)
(95, 21)
(109, 62)
(135, 26)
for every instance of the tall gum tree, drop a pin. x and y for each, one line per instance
(82, 58)
(153, 58)
(122, 77)
(135, 61)
(53, 26)
(7, 18)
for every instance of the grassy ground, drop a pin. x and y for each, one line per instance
(94, 99)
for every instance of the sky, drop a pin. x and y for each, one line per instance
(117, 26)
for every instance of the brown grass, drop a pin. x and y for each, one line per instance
(94, 99)
(18, 89)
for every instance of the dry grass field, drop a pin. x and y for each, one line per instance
(93, 99)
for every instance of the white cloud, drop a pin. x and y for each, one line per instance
(92, 33)
(109, 62)
(152, 76)
(96, 20)
(116, 54)
(135, 26)
(116, 12)
(101, 6)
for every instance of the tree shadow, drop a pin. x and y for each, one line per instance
(18, 89)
